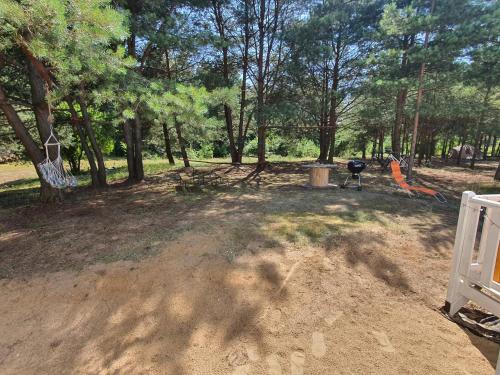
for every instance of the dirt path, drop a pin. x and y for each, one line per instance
(267, 281)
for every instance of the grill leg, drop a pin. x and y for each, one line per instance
(359, 182)
(345, 182)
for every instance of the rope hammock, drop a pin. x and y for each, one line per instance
(53, 170)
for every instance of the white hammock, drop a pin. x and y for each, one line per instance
(53, 170)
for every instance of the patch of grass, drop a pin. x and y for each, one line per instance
(304, 229)
(358, 216)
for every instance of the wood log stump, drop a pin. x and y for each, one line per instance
(318, 177)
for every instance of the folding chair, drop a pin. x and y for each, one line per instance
(403, 184)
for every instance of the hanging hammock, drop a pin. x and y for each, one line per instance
(53, 170)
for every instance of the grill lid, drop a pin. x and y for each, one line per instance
(356, 166)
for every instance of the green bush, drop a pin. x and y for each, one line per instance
(251, 148)
(305, 148)
(205, 151)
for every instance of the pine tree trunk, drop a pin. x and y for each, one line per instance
(323, 122)
(420, 93)
(137, 139)
(381, 144)
(479, 127)
(332, 117)
(331, 151)
(44, 119)
(396, 132)
(374, 147)
(47, 193)
(401, 98)
(75, 121)
(228, 115)
(261, 145)
(182, 144)
(241, 131)
(261, 130)
(128, 136)
(220, 24)
(168, 146)
(101, 168)
(443, 149)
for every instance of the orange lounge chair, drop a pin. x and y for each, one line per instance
(400, 180)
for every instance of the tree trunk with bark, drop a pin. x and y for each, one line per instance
(479, 129)
(401, 97)
(43, 116)
(128, 136)
(168, 146)
(323, 121)
(374, 147)
(137, 139)
(261, 129)
(75, 122)
(443, 148)
(132, 133)
(381, 137)
(332, 118)
(48, 194)
(182, 143)
(398, 120)
(487, 146)
(101, 168)
(420, 93)
(220, 23)
(244, 72)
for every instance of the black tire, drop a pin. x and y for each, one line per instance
(359, 188)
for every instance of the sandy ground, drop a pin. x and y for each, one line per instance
(270, 280)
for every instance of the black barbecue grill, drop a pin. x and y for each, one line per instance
(355, 167)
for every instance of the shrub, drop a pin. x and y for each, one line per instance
(304, 148)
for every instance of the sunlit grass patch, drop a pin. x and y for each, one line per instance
(304, 229)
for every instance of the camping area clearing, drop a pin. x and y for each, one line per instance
(267, 278)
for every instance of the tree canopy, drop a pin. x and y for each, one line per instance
(238, 78)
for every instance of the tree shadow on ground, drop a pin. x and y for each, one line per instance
(122, 222)
(363, 249)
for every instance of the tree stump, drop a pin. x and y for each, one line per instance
(318, 177)
(319, 174)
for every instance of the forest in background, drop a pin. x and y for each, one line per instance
(239, 78)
